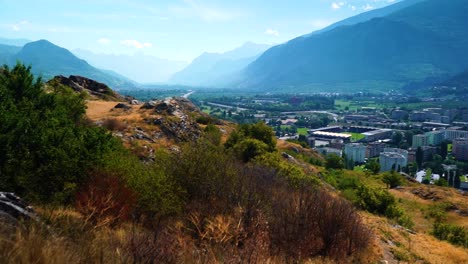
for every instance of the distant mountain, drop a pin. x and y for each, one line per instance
(460, 80)
(150, 69)
(14, 42)
(427, 39)
(211, 69)
(6, 52)
(366, 16)
(50, 60)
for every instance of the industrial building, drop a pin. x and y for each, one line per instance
(378, 134)
(355, 152)
(460, 149)
(392, 160)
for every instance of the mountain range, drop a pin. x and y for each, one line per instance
(419, 40)
(213, 69)
(150, 69)
(49, 60)
(409, 45)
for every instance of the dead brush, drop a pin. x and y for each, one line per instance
(226, 239)
(105, 201)
(114, 124)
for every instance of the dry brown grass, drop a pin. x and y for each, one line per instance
(413, 248)
(418, 207)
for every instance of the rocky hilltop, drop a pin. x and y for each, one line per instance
(82, 84)
(144, 127)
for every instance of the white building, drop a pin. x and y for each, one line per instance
(392, 160)
(355, 152)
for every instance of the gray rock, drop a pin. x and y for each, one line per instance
(122, 106)
(13, 209)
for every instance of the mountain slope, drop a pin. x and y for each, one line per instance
(6, 52)
(366, 16)
(50, 60)
(211, 68)
(150, 70)
(427, 39)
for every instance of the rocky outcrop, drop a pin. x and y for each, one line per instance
(92, 87)
(122, 106)
(13, 209)
(175, 118)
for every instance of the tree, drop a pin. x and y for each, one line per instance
(397, 138)
(419, 157)
(409, 137)
(392, 179)
(334, 161)
(443, 149)
(373, 166)
(250, 148)
(259, 131)
(46, 147)
(441, 182)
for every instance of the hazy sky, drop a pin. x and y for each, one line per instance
(177, 29)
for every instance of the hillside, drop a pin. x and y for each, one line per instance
(50, 60)
(212, 69)
(366, 16)
(7, 51)
(162, 181)
(421, 41)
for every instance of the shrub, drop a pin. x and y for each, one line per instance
(333, 161)
(105, 200)
(47, 148)
(159, 195)
(456, 235)
(309, 222)
(438, 212)
(259, 131)
(376, 201)
(392, 179)
(206, 120)
(114, 124)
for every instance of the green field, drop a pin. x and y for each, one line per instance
(354, 105)
(355, 136)
(302, 131)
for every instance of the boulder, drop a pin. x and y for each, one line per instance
(14, 209)
(149, 105)
(122, 106)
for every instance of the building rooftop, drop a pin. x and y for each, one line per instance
(330, 134)
(392, 155)
(375, 132)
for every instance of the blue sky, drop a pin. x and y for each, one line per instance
(177, 29)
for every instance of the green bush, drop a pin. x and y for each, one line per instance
(392, 179)
(333, 161)
(456, 235)
(377, 201)
(47, 146)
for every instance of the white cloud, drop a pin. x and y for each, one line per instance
(104, 41)
(352, 7)
(136, 44)
(272, 32)
(337, 5)
(367, 7)
(18, 26)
